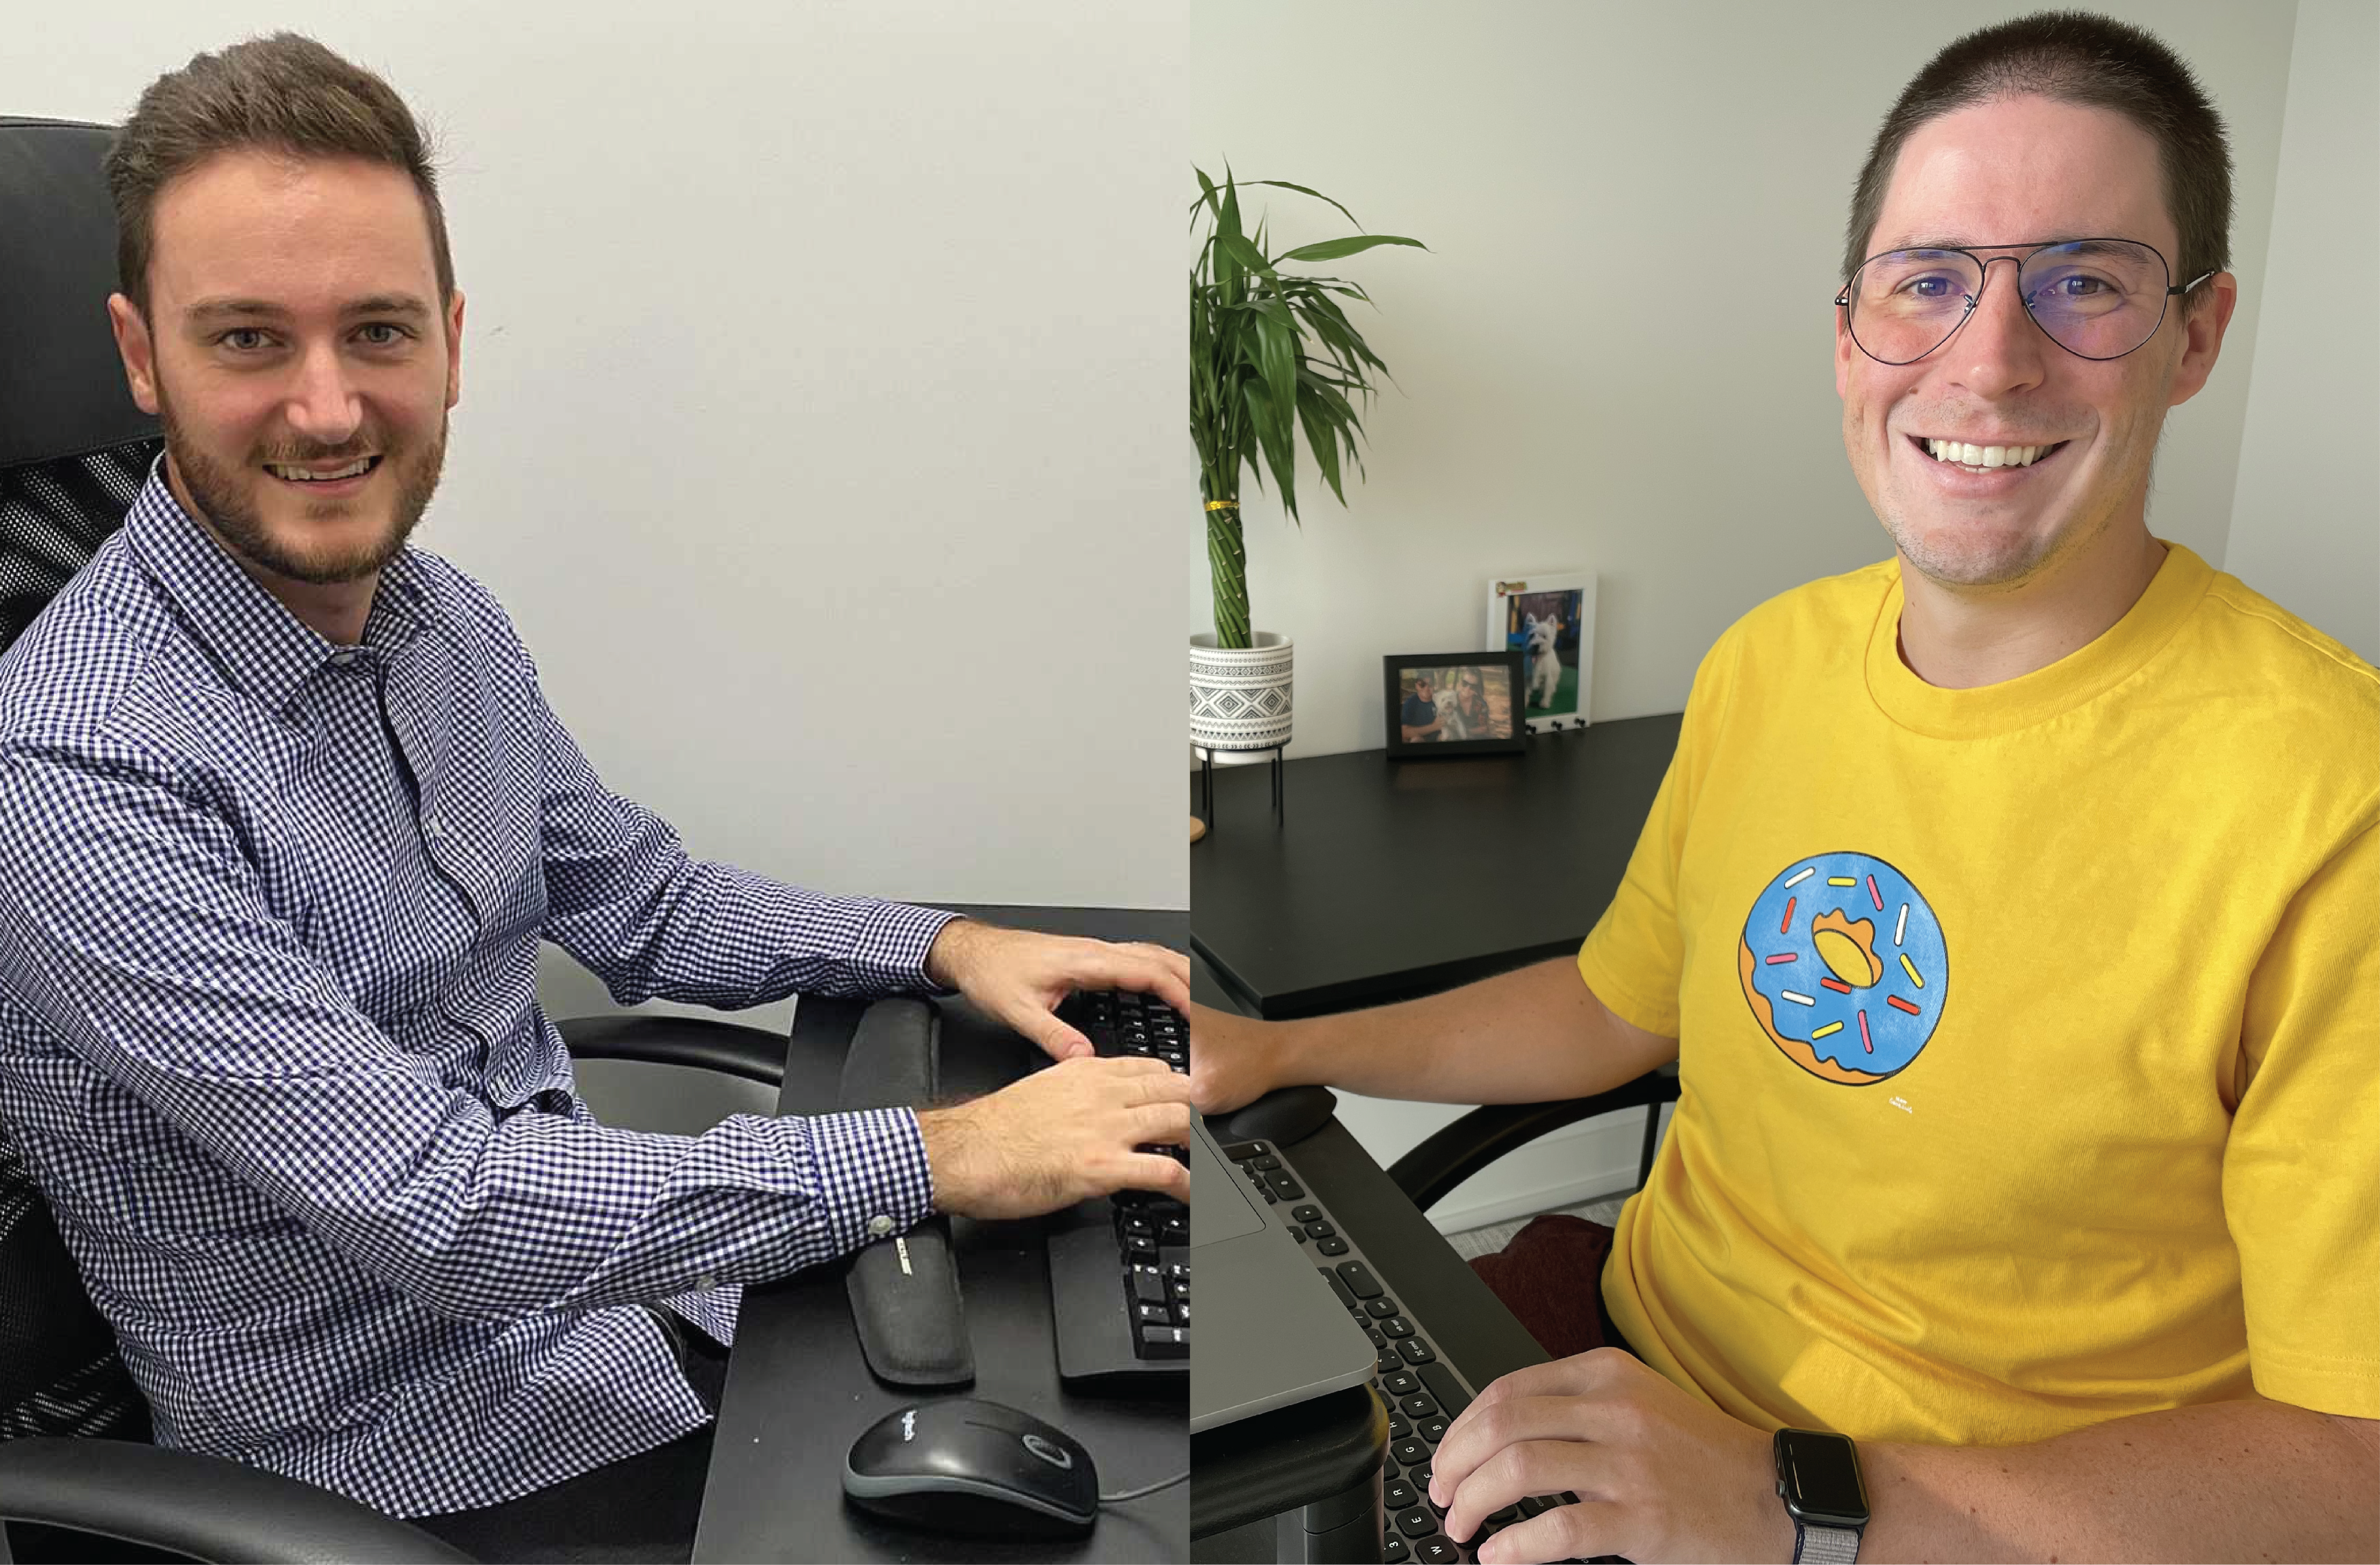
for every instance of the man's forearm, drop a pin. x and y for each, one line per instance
(2243, 1480)
(1527, 1037)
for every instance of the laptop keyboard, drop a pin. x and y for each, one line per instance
(1150, 1262)
(1421, 1392)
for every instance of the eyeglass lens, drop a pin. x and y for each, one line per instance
(2099, 299)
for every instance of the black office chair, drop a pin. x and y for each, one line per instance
(74, 452)
(1431, 1171)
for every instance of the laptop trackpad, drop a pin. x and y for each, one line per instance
(1220, 1209)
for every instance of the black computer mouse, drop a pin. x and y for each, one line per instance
(965, 1465)
(1283, 1117)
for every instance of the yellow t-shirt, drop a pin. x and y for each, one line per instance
(2029, 1036)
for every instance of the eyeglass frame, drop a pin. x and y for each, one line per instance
(2032, 248)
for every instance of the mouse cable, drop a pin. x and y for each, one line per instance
(1145, 1490)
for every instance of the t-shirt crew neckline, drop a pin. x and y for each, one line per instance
(2079, 677)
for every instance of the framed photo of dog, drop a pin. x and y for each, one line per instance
(1548, 619)
(1453, 704)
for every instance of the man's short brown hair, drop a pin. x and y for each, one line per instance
(2073, 57)
(285, 94)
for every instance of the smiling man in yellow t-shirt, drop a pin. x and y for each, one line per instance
(2012, 909)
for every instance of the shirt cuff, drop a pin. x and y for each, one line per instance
(897, 938)
(872, 1176)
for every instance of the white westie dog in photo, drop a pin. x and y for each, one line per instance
(1545, 663)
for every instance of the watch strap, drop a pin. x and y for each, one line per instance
(1825, 1545)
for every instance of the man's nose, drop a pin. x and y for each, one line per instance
(2000, 349)
(324, 405)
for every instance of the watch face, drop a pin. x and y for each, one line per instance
(1819, 1478)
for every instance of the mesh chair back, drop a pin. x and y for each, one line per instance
(74, 451)
(53, 514)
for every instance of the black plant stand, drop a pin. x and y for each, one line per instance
(1207, 782)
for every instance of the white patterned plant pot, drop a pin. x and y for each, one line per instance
(1240, 697)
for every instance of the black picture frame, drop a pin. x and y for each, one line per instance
(1397, 666)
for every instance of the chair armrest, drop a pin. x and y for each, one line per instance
(201, 1506)
(754, 1054)
(1431, 1171)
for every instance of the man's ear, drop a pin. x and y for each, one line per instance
(1844, 348)
(454, 349)
(2205, 318)
(138, 353)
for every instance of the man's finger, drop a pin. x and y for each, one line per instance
(1149, 1170)
(1584, 1531)
(1058, 1040)
(1480, 1435)
(1167, 1124)
(1540, 1465)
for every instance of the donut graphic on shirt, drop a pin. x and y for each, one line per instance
(1844, 966)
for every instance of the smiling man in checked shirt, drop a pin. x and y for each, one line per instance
(283, 820)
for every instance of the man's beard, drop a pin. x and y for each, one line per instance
(216, 490)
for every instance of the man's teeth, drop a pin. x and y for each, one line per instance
(1984, 456)
(300, 475)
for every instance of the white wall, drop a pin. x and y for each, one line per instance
(822, 405)
(2305, 523)
(1594, 181)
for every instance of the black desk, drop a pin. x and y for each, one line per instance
(798, 1392)
(1396, 878)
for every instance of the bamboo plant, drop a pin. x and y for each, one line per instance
(1269, 352)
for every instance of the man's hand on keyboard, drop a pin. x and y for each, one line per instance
(1661, 1476)
(1019, 977)
(1065, 1133)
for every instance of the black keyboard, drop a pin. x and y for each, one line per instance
(1421, 1392)
(1120, 1269)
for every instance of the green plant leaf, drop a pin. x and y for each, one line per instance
(1332, 249)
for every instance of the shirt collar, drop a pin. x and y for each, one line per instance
(263, 648)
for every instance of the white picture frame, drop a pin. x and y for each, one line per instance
(1563, 670)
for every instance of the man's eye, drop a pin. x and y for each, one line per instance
(384, 333)
(243, 339)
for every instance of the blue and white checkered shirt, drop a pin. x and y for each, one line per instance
(270, 1036)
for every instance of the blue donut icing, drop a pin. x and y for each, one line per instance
(1870, 1020)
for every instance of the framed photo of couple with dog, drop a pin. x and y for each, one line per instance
(1548, 619)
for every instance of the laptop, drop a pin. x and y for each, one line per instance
(1271, 1331)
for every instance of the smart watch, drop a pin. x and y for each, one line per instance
(1818, 1479)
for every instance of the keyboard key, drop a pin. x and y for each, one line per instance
(1298, 1235)
(1418, 1406)
(1377, 1340)
(1181, 1312)
(1154, 1315)
(1419, 1479)
(1387, 1360)
(1436, 1551)
(1287, 1189)
(1363, 1284)
(1240, 1151)
(1410, 1452)
(1435, 1430)
(1412, 1349)
(1393, 1551)
(1319, 1230)
(1442, 1385)
(1148, 1286)
(1164, 1341)
(1534, 1505)
(1307, 1213)
(1381, 1308)
(1399, 1496)
(1505, 1517)
(1330, 1246)
(1399, 1427)
(1416, 1523)
(1397, 1325)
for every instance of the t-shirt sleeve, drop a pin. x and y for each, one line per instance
(2301, 1170)
(1634, 957)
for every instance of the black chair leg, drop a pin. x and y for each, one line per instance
(1652, 1140)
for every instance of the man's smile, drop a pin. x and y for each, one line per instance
(325, 477)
